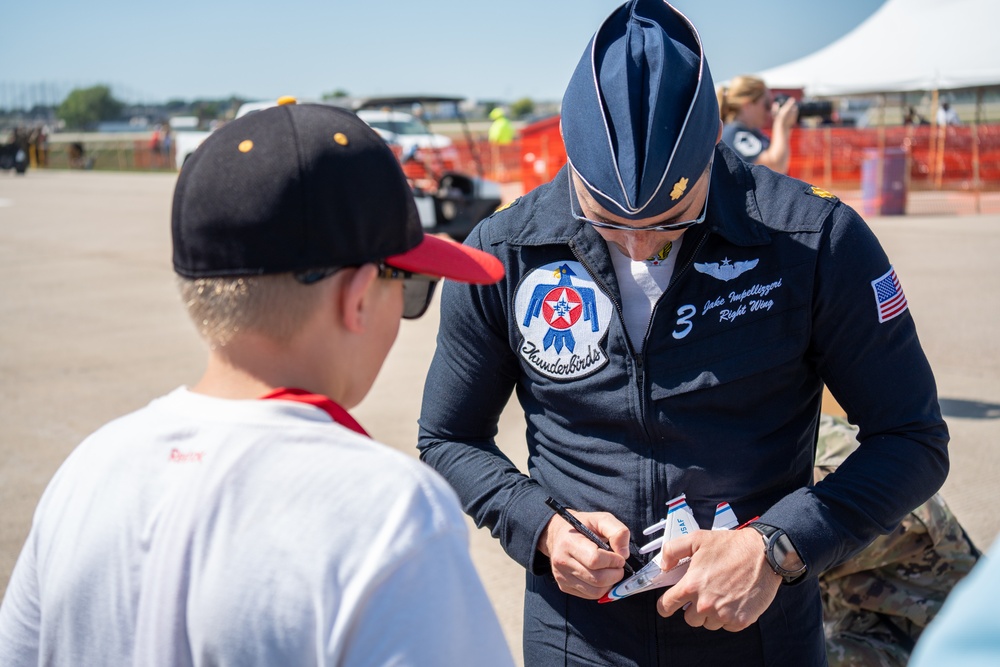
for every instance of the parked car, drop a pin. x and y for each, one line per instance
(187, 137)
(403, 128)
(13, 157)
(449, 201)
(14, 154)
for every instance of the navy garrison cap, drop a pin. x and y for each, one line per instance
(639, 117)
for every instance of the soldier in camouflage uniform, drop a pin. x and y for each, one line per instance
(876, 604)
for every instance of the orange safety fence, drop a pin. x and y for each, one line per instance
(945, 166)
(939, 157)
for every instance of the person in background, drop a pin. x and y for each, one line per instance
(501, 130)
(668, 319)
(156, 144)
(167, 144)
(747, 108)
(249, 519)
(877, 603)
(501, 134)
(947, 116)
(913, 117)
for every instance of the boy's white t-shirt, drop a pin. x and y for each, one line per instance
(641, 285)
(204, 531)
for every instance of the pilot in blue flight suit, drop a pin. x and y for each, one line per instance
(669, 317)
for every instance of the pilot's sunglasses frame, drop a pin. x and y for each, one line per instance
(578, 215)
(418, 289)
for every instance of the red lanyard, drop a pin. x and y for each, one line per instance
(337, 413)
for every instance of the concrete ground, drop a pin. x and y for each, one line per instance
(91, 328)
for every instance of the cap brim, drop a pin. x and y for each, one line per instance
(444, 258)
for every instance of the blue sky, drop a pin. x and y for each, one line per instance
(187, 49)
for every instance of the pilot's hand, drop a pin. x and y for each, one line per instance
(580, 567)
(728, 583)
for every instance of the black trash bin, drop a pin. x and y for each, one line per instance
(883, 182)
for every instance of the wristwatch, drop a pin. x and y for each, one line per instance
(777, 546)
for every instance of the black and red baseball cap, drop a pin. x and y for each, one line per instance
(299, 187)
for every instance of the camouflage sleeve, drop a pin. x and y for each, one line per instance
(906, 573)
(904, 544)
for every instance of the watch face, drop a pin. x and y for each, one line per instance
(777, 547)
(781, 547)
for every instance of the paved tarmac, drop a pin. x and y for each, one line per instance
(91, 328)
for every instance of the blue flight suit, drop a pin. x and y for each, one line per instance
(772, 296)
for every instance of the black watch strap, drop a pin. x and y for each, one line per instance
(777, 546)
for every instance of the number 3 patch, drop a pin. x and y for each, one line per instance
(684, 315)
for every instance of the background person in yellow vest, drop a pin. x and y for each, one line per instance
(501, 131)
(501, 134)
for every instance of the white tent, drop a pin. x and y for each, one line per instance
(907, 45)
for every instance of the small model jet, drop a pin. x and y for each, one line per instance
(679, 521)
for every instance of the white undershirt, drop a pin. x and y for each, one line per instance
(641, 285)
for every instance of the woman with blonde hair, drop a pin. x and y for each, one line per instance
(747, 106)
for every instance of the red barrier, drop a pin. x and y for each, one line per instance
(939, 158)
(542, 152)
(941, 163)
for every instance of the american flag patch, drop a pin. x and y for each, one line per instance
(889, 297)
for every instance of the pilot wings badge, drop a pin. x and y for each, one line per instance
(725, 270)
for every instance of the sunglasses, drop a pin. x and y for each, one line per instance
(577, 212)
(418, 289)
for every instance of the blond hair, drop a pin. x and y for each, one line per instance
(741, 91)
(274, 306)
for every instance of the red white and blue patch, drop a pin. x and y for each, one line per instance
(563, 316)
(889, 298)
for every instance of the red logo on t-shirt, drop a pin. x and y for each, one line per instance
(177, 456)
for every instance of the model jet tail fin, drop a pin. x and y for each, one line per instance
(725, 517)
(679, 521)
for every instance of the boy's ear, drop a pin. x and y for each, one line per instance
(355, 297)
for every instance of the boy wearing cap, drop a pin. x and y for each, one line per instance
(249, 520)
(668, 319)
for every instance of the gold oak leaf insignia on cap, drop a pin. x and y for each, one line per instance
(340, 138)
(245, 146)
(679, 188)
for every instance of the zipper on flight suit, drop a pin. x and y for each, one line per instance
(659, 480)
(633, 544)
(638, 359)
